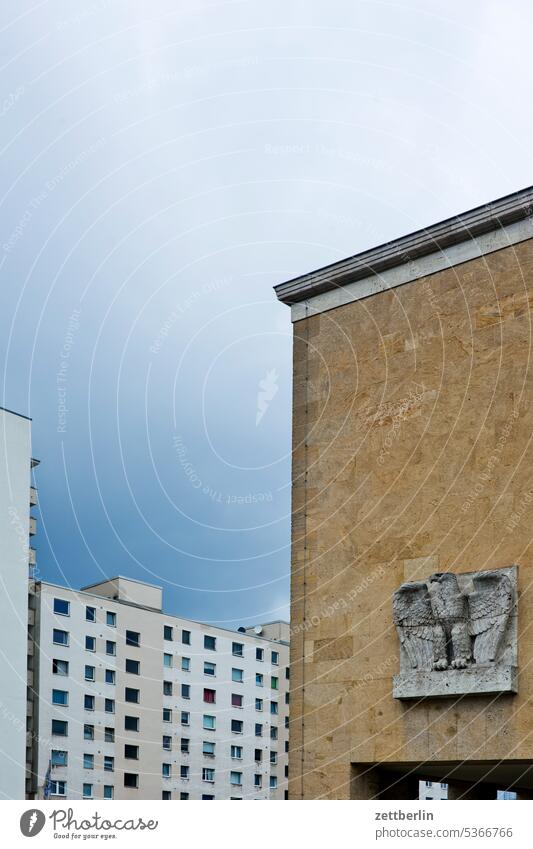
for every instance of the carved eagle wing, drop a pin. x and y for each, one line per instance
(490, 606)
(415, 623)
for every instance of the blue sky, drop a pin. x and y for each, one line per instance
(163, 166)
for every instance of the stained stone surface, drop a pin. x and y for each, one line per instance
(456, 682)
(413, 415)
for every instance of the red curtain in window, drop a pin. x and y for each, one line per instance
(209, 696)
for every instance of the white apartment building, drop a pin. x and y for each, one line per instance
(134, 703)
(16, 525)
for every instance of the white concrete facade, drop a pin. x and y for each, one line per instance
(174, 754)
(15, 466)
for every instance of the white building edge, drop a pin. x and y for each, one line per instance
(16, 558)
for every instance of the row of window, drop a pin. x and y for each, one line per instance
(133, 667)
(59, 788)
(62, 638)
(132, 723)
(59, 757)
(131, 780)
(133, 696)
(62, 608)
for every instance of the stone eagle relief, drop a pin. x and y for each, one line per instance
(444, 627)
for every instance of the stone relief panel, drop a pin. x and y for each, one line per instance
(458, 634)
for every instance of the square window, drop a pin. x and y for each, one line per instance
(184, 796)
(184, 745)
(208, 774)
(90, 643)
(208, 748)
(131, 779)
(186, 638)
(60, 637)
(258, 679)
(109, 763)
(210, 696)
(133, 638)
(209, 722)
(236, 753)
(90, 614)
(167, 688)
(88, 732)
(133, 666)
(185, 664)
(185, 691)
(88, 761)
(236, 700)
(88, 702)
(166, 795)
(258, 755)
(259, 704)
(110, 676)
(237, 726)
(273, 732)
(167, 715)
(60, 697)
(131, 723)
(275, 658)
(132, 695)
(109, 791)
(167, 742)
(235, 778)
(210, 642)
(260, 654)
(59, 667)
(109, 735)
(274, 708)
(184, 772)
(273, 757)
(59, 757)
(110, 647)
(109, 705)
(61, 607)
(258, 729)
(58, 788)
(60, 728)
(167, 632)
(237, 649)
(166, 770)
(237, 675)
(89, 673)
(167, 660)
(111, 619)
(258, 780)
(185, 717)
(210, 668)
(131, 752)
(87, 791)
(273, 782)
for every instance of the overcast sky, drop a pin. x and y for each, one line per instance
(164, 164)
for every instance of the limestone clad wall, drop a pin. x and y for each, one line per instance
(413, 453)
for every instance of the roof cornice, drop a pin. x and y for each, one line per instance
(465, 227)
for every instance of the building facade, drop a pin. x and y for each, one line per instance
(16, 557)
(138, 704)
(412, 455)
